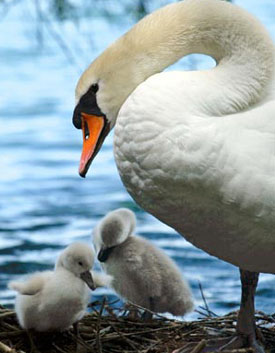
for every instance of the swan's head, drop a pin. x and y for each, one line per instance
(100, 93)
(113, 230)
(78, 258)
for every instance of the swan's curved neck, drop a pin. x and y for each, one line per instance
(240, 45)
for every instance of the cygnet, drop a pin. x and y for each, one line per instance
(142, 273)
(54, 300)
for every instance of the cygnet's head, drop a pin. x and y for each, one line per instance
(113, 230)
(78, 258)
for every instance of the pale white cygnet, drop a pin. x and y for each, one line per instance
(142, 273)
(54, 300)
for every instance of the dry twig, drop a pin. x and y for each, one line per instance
(111, 333)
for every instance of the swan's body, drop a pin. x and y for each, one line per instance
(195, 149)
(142, 273)
(214, 173)
(54, 300)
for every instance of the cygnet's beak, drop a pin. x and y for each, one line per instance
(104, 254)
(88, 279)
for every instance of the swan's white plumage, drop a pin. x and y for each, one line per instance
(142, 273)
(215, 173)
(54, 300)
(196, 149)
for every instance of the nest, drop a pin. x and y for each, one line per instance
(108, 330)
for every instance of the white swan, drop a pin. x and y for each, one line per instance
(142, 273)
(54, 300)
(195, 149)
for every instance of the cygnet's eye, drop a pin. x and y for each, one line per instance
(94, 87)
(80, 263)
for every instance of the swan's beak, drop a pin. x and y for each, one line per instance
(88, 279)
(94, 129)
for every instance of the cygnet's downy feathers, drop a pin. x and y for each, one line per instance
(142, 273)
(113, 230)
(76, 258)
(54, 300)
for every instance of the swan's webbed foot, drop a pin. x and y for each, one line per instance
(256, 347)
(33, 348)
(222, 345)
(240, 341)
(148, 314)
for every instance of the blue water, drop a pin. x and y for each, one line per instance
(44, 204)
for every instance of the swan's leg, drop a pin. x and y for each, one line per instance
(76, 328)
(147, 315)
(33, 348)
(246, 329)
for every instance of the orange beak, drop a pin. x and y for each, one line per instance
(93, 136)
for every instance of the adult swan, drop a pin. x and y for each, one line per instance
(196, 149)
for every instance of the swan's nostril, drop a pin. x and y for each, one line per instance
(86, 131)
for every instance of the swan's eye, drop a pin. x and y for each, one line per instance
(94, 87)
(80, 263)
